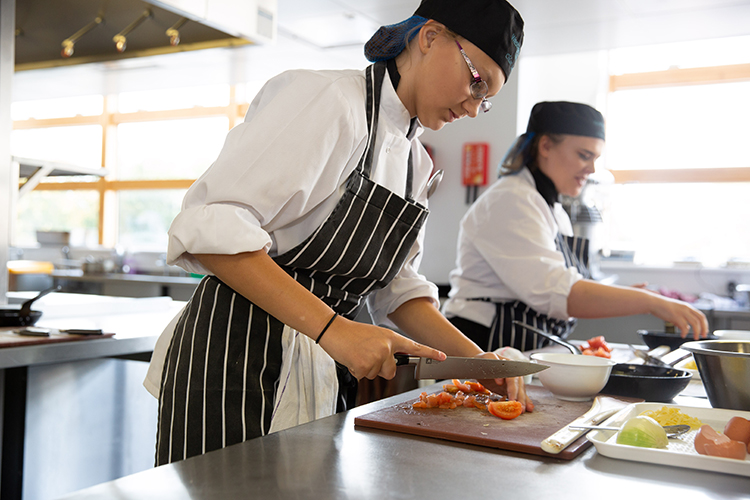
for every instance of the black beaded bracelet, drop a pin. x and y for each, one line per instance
(317, 341)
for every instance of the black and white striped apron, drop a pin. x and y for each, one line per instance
(223, 366)
(504, 332)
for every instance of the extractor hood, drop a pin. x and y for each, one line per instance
(53, 33)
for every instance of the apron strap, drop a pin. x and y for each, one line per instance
(374, 75)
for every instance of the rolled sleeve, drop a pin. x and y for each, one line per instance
(202, 229)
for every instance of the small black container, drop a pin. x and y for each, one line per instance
(13, 317)
(652, 383)
(654, 339)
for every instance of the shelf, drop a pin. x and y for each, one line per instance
(35, 170)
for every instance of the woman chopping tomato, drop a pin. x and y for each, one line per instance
(316, 205)
(518, 259)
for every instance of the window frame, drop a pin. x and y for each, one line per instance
(672, 78)
(107, 186)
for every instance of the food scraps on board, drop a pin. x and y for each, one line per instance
(469, 394)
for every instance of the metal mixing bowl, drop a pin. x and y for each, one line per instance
(724, 366)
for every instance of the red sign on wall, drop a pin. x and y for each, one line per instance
(474, 164)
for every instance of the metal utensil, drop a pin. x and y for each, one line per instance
(646, 357)
(26, 306)
(434, 182)
(475, 368)
(554, 338)
(671, 430)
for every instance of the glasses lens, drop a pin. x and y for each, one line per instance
(479, 89)
(486, 105)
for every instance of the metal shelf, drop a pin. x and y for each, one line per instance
(36, 170)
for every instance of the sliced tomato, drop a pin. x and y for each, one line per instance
(444, 398)
(464, 387)
(507, 410)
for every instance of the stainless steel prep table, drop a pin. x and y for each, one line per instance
(330, 459)
(136, 323)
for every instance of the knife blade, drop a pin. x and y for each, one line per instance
(475, 368)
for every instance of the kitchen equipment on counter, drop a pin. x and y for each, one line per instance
(671, 430)
(724, 366)
(652, 383)
(554, 338)
(679, 452)
(460, 367)
(654, 339)
(649, 359)
(478, 427)
(732, 334)
(24, 316)
(572, 377)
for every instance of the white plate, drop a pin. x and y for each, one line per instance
(680, 452)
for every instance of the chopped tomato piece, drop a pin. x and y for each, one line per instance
(461, 386)
(507, 410)
(596, 343)
(477, 387)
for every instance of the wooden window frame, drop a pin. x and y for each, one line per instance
(672, 78)
(107, 186)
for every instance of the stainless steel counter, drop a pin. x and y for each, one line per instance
(72, 415)
(331, 459)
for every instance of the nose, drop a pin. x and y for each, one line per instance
(472, 106)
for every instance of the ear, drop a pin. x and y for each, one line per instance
(544, 146)
(428, 33)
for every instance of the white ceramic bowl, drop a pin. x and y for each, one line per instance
(732, 334)
(573, 377)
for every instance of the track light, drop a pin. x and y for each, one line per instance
(120, 39)
(68, 44)
(173, 33)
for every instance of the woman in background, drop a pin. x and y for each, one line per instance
(518, 259)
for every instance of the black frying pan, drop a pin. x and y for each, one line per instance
(652, 383)
(23, 316)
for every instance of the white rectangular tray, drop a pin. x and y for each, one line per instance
(680, 452)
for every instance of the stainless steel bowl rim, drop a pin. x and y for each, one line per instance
(701, 347)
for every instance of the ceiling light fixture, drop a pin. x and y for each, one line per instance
(120, 39)
(68, 45)
(174, 32)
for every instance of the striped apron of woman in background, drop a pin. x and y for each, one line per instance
(222, 371)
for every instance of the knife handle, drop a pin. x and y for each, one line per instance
(405, 359)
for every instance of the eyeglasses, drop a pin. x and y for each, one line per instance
(478, 87)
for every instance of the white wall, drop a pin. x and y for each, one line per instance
(447, 205)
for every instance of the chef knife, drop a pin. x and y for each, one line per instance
(476, 368)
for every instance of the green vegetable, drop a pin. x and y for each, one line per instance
(644, 432)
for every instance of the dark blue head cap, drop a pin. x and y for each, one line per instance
(564, 117)
(494, 26)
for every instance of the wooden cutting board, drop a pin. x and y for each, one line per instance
(474, 426)
(10, 339)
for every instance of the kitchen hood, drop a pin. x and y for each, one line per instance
(51, 33)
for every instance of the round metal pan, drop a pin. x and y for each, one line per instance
(652, 383)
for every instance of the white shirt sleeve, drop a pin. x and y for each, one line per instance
(284, 164)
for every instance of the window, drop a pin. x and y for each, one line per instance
(676, 134)
(153, 147)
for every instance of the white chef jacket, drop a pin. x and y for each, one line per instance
(507, 252)
(282, 171)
